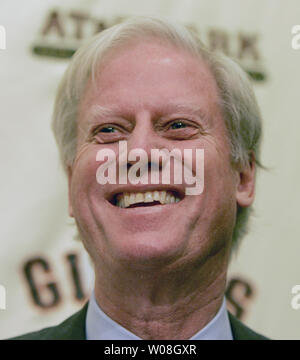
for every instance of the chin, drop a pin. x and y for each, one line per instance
(147, 249)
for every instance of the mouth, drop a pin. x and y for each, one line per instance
(145, 199)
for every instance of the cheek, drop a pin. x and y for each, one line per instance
(85, 189)
(210, 159)
(220, 190)
(219, 178)
(218, 200)
(83, 175)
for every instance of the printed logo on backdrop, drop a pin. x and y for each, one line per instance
(47, 288)
(62, 32)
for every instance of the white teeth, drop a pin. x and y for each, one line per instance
(139, 197)
(148, 197)
(168, 199)
(163, 195)
(124, 200)
(131, 198)
(156, 196)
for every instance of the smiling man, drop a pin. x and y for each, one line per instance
(160, 255)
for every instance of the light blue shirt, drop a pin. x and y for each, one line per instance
(99, 326)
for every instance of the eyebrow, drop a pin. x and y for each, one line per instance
(182, 108)
(97, 112)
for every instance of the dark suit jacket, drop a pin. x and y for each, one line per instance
(73, 328)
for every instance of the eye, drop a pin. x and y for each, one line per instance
(107, 129)
(181, 129)
(178, 124)
(107, 133)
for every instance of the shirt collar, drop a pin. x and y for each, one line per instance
(99, 326)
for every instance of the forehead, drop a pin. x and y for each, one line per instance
(152, 75)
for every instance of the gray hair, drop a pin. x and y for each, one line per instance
(237, 99)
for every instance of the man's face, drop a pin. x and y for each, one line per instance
(154, 96)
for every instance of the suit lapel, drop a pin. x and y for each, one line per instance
(73, 328)
(241, 331)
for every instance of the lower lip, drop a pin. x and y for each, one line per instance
(144, 210)
(142, 219)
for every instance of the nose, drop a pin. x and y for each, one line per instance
(142, 140)
(144, 135)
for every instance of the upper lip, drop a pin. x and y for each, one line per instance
(177, 190)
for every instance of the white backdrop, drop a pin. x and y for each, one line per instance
(44, 270)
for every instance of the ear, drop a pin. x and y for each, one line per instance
(245, 190)
(69, 191)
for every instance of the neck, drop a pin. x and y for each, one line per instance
(163, 303)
